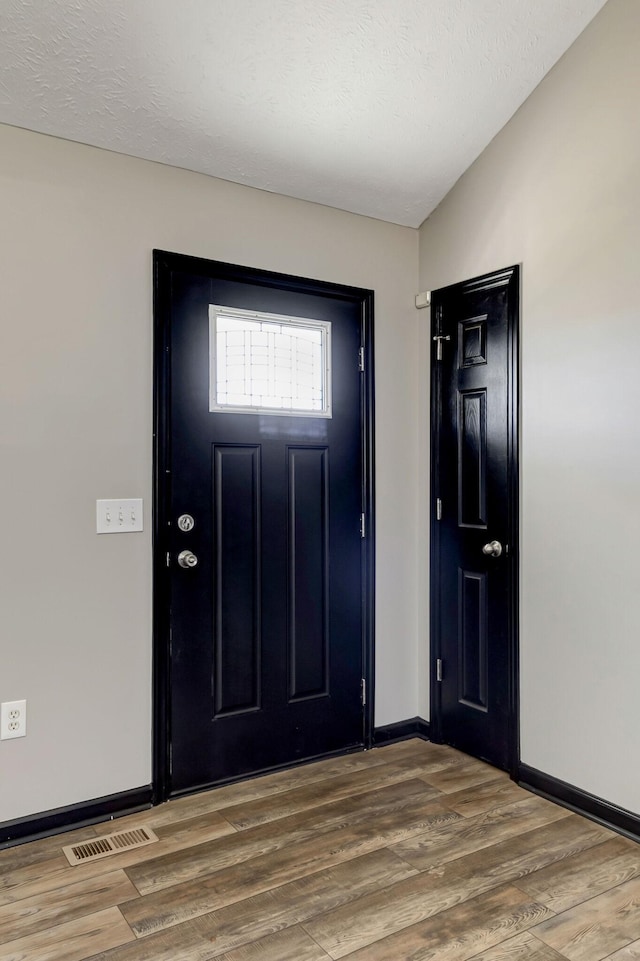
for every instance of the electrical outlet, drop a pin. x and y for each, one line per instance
(13, 719)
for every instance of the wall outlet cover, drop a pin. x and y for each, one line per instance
(13, 719)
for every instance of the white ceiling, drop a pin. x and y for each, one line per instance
(372, 106)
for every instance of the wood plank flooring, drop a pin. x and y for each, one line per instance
(412, 852)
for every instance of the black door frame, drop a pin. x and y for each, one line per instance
(164, 263)
(513, 482)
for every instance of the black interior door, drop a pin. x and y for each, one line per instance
(474, 518)
(265, 660)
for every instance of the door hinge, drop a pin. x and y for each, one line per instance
(361, 359)
(363, 691)
(438, 508)
(363, 528)
(439, 669)
(438, 339)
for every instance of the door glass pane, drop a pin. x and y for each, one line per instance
(269, 363)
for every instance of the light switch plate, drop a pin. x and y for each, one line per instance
(119, 516)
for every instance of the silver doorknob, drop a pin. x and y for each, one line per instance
(493, 549)
(187, 559)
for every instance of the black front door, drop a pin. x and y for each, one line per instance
(261, 494)
(474, 523)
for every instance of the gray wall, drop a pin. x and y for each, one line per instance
(558, 190)
(78, 227)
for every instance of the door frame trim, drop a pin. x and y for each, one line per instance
(164, 262)
(507, 276)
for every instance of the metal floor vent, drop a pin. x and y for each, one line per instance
(109, 844)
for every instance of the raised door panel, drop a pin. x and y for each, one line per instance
(472, 458)
(237, 580)
(308, 572)
(473, 673)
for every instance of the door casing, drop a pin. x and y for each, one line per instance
(163, 263)
(513, 483)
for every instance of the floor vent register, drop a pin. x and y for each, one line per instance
(104, 847)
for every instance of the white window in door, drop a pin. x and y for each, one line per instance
(268, 363)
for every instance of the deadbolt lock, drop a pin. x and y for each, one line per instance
(186, 522)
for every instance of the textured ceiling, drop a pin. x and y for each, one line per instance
(372, 106)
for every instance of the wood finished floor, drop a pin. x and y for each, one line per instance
(404, 853)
